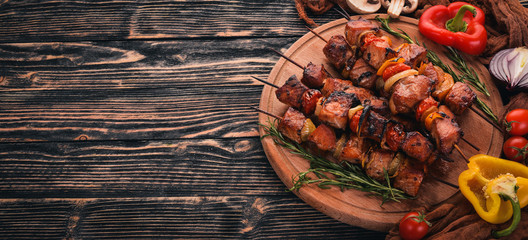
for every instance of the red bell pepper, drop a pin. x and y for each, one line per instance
(459, 25)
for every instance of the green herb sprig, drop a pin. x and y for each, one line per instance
(343, 175)
(467, 73)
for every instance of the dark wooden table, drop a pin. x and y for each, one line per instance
(131, 119)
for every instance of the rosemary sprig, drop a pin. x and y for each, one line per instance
(460, 64)
(343, 175)
(385, 26)
(468, 73)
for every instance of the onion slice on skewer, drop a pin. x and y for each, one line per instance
(511, 66)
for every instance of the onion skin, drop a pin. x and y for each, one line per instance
(511, 67)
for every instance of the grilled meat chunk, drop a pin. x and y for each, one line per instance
(446, 132)
(394, 136)
(291, 92)
(334, 111)
(323, 138)
(335, 84)
(410, 177)
(314, 75)
(291, 124)
(373, 126)
(363, 74)
(377, 51)
(408, 92)
(377, 162)
(379, 105)
(413, 54)
(309, 101)
(354, 29)
(459, 98)
(354, 149)
(416, 146)
(338, 52)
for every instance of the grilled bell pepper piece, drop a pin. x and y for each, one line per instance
(497, 189)
(459, 25)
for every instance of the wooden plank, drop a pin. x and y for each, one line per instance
(172, 217)
(137, 168)
(36, 21)
(132, 90)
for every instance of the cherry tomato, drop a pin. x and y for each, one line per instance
(517, 122)
(515, 148)
(393, 69)
(413, 226)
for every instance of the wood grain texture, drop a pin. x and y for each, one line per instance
(196, 188)
(132, 90)
(45, 21)
(184, 217)
(223, 167)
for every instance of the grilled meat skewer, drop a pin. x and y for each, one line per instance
(404, 172)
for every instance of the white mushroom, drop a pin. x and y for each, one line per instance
(395, 7)
(364, 6)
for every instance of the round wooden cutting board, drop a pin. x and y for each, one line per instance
(351, 206)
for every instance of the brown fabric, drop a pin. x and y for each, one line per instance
(455, 218)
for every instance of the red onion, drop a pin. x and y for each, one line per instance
(511, 66)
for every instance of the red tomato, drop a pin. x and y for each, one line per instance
(413, 226)
(517, 122)
(393, 69)
(515, 148)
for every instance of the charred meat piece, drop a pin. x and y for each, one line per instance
(338, 52)
(435, 73)
(445, 110)
(291, 124)
(323, 139)
(379, 105)
(378, 162)
(314, 75)
(291, 92)
(363, 74)
(309, 101)
(394, 136)
(459, 98)
(374, 126)
(413, 54)
(410, 177)
(446, 133)
(334, 111)
(354, 149)
(334, 84)
(408, 92)
(354, 29)
(377, 51)
(416, 146)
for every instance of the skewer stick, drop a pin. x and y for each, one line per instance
(487, 120)
(317, 34)
(461, 153)
(265, 82)
(287, 58)
(343, 12)
(267, 113)
(470, 144)
(294, 62)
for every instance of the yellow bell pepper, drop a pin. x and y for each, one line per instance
(497, 189)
